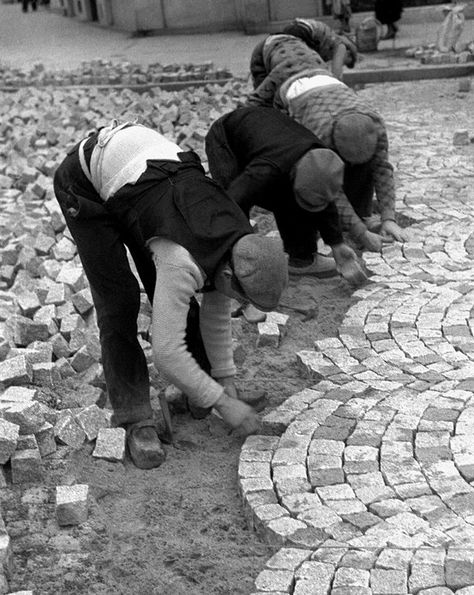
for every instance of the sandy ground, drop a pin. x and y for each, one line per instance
(179, 529)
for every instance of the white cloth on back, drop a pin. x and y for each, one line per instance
(121, 153)
(306, 83)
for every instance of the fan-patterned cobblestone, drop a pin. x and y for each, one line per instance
(364, 482)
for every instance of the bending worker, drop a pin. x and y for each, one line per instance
(263, 157)
(129, 186)
(300, 85)
(336, 51)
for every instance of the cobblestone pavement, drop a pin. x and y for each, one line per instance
(365, 480)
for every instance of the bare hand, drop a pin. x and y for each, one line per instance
(347, 265)
(373, 242)
(228, 383)
(239, 416)
(390, 229)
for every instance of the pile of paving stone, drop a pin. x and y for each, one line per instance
(48, 327)
(106, 72)
(52, 389)
(52, 393)
(430, 54)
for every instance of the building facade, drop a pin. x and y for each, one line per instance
(187, 16)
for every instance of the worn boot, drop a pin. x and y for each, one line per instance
(253, 314)
(322, 267)
(144, 445)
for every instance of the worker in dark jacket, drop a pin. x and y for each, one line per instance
(298, 85)
(262, 157)
(127, 186)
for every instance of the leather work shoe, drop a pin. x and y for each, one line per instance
(322, 267)
(144, 445)
(253, 314)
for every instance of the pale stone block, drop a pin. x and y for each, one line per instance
(268, 334)
(274, 580)
(57, 294)
(46, 374)
(72, 276)
(68, 431)
(18, 394)
(72, 504)
(29, 303)
(459, 567)
(44, 348)
(26, 466)
(43, 243)
(277, 318)
(64, 249)
(82, 359)
(33, 356)
(110, 444)
(47, 315)
(288, 559)
(388, 582)
(24, 331)
(70, 323)
(9, 433)
(92, 419)
(82, 300)
(6, 554)
(28, 415)
(60, 346)
(45, 439)
(16, 370)
(27, 442)
(319, 573)
(346, 577)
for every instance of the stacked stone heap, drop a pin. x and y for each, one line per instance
(106, 72)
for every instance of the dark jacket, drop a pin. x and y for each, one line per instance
(174, 200)
(252, 152)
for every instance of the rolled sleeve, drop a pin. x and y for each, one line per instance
(177, 280)
(383, 176)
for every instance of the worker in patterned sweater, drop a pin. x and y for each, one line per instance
(262, 157)
(127, 186)
(336, 51)
(299, 84)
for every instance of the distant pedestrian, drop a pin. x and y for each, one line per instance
(388, 12)
(342, 12)
(24, 4)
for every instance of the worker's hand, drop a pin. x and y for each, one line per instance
(347, 264)
(373, 242)
(256, 398)
(238, 415)
(228, 382)
(390, 229)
